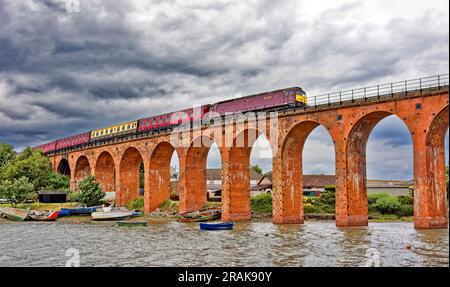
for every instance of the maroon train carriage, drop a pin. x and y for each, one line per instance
(47, 148)
(170, 120)
(291, 97)
(73, 141)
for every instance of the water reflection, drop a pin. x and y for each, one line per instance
(316, 243)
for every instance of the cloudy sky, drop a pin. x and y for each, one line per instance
(68, 68)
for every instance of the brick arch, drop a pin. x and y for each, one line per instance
(159, 175)
(430, 200)
(82, 169)
(129, 171)
(63, 167)
(105, 171)
(356, 177)
(193, 191)
(288, 167)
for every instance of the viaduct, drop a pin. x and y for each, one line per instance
(422, 105)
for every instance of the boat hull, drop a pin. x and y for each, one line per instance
(131, 224)
(44, 216)
(15, 214)
(200, 216)
(113, 215)
(77, 211)
(217, 226)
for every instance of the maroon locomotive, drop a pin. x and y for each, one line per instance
(291, 97)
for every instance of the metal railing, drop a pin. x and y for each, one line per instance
(390, 89)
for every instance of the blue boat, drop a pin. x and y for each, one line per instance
(217, 226)
(77, 211)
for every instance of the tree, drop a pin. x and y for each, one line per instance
(90, 192)
(257, 169)
(58, 181)
(7, 154)
(16, 191)
(32, 164)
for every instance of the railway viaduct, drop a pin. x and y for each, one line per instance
(349, 119)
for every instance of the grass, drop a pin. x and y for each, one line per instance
(42, 206)
(169, 204)
(262, 203)
(136, 204)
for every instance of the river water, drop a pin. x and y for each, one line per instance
(256, 243)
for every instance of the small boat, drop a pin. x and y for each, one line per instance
(78, 210)
(43, 216)
(107, 208)
(200, 215)
(132, 223)
(15, 213)
(217, 226)
(112, 215)
(136, 213)
(63, 212)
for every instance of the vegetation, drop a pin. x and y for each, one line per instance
(90, 192)
(262, 202)
(383, 203)
(16, 190)
(257, 168)
(136, 204)
(26, 172)
(169, 204)
(21, 175)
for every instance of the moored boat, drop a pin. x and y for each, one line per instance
(200, 215)
(112, 215)
(217, 226)
(15, 213)
(77, 211)
(132, 223)
(43, 216)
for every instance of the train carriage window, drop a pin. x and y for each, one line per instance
(168, 118)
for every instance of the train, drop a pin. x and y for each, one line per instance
(270, 101)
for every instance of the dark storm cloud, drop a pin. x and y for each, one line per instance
(63, 73)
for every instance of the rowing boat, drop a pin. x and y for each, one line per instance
(43, 216)
(217, 226)
(77, 211)
(200, 215)
(15, 213)
(113, 215)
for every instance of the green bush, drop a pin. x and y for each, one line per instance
(406, 210)
(328, 197)
(90, 192)
(387, 204)
(17, 190)
(169, 204)
(137, 203)
(58, 181)
(406, 199)
(71, 196)
(262, 202)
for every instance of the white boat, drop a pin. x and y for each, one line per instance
(112, 215)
